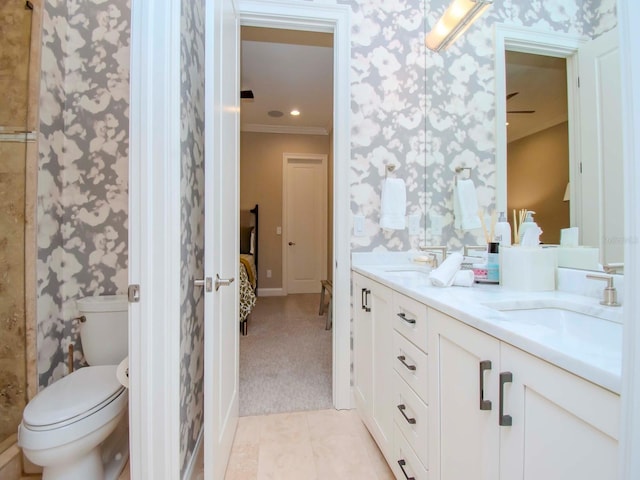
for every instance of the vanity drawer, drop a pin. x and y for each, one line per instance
(410, 319)
(411, 364)
(405, 463)
(411, 417)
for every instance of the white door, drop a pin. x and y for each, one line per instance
(221, 235)
(601, 218)
(305, 222)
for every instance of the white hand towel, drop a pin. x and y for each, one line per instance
(393, 204)
(465, 206)
(444, 274)
(463, 278)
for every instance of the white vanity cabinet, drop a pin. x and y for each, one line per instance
(497, 412)
(372, 369)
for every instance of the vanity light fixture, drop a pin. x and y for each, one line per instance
(295, 113)
(453, 23)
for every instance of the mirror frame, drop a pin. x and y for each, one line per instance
(537, 42)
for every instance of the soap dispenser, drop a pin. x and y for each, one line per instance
(503, 231)
(528, 223)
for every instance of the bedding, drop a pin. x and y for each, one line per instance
(247, 296)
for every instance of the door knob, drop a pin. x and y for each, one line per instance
(292, 243)
(206, 283)
(223, 282)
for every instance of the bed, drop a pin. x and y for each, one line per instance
(248, 264)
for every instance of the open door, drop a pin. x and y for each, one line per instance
(221, 235)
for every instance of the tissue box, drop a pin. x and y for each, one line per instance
(531, 269)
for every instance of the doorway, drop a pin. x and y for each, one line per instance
(283, 70)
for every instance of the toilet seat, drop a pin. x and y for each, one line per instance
(72, 398)
(72, 407)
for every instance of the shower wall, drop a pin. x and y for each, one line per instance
(15, 31)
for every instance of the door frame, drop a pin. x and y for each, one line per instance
(538, 42)
(154, 240)
(335, 19)
(285, 251)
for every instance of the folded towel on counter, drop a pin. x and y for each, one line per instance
(443, 275)
(463, 278)
(393, 204)
(465, 206)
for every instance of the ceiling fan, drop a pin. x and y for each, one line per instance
(513, 94)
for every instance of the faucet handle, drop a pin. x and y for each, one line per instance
(435, 248)
(613, 267)
(610, 294)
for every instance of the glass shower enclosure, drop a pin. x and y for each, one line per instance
(17, 139)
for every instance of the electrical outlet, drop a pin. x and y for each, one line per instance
(268, 273)
(278, 230)
(414, 223)
(358, 225)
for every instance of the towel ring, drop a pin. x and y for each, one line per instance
(459, 170)
(389, 169)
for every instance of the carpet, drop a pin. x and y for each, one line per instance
(285, 359)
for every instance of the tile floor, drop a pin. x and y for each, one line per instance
(315, 445)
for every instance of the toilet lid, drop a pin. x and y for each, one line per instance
(73, 396)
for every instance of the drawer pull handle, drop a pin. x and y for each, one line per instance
(408, 320)
(402, 463)
(402, 408)
(402, 358)
(365, 299)
(484, 366)
(504, 420)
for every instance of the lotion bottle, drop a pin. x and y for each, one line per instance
(503, 231)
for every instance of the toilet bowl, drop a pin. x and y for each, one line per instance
(64, 425)
(77, 427)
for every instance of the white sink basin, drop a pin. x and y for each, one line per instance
(552, 311)
(407, 273)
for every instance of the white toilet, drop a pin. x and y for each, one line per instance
(77, 428)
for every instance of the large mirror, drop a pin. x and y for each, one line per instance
(560, 150)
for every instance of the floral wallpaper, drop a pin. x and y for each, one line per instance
(192, 231)
(82, 197)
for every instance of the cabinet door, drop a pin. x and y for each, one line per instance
(362, 347)
(563, 427)
(372, 358)
(382, 411)
(464, 432)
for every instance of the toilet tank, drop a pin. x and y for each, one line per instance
(104, 331)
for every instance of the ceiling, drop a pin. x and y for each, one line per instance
(287, 70)
(542, 85)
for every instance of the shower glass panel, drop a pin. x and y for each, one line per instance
(15, 49)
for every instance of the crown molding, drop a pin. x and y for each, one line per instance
(288, 129)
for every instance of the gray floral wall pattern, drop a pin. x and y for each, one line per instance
(83, 143)
(192, 232)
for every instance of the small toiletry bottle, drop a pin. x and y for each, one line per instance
(503, 231)
(528, 222)
(493, 262)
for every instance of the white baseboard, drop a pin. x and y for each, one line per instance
(193, 463)
(271, 292)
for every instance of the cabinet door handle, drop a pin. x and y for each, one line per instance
(362, 298)
(402, 359)
(504, 420)
(402, 408)
(484, 366)
(403, 316)
(402, 463)
(367, 308)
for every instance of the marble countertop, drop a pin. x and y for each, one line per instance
(588, 347)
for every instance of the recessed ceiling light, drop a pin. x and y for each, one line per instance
(275, 113)
(295, 113)
(507, 124)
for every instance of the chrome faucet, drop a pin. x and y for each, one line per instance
(610, 295)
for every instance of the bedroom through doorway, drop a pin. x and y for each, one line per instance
(286, 143)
